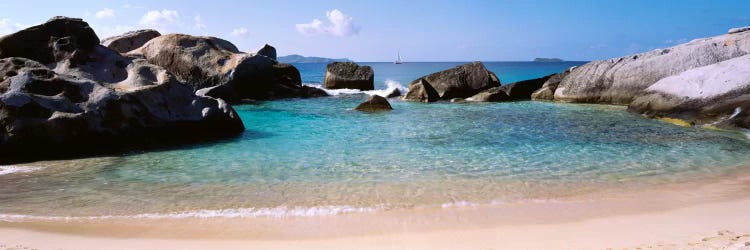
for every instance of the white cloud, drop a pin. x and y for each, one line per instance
(108, 31)
(7, 27)
(105, 13)
(241, 31)
(160, 19)
(338, 24)
(199, 22)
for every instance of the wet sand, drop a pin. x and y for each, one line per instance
(708, 215)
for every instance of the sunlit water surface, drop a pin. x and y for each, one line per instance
(318, 157)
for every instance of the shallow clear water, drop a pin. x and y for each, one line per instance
(318, 156)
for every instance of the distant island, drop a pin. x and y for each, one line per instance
(539, 59)
(309, 59)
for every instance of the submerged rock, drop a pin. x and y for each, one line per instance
(459, 82)
(393, 93)
(349, 75)
(215, 67)
(621, 80)
(130, 40)
(61, 94)
(374, 103)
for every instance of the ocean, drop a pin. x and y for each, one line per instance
(316, 157)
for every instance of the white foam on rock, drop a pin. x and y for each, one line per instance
(5, 170)
(391, 85)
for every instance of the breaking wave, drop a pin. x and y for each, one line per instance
(4, 170)
(391, 86)
(276, 212)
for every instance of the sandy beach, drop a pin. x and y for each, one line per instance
(693, 216)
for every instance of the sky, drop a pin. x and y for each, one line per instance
(420, 30)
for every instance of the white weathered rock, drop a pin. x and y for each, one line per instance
(620, 80)
(130, 40)
(738, 30)
(713, 94)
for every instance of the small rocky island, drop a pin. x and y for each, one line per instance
(310, 59)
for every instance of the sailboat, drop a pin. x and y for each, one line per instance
(398, 61)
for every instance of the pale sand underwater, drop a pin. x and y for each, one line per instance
(681, 216)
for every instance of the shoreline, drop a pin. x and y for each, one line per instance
(675, 213)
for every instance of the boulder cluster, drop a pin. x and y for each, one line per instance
(459, 82)
(64, 93)
(705, 81)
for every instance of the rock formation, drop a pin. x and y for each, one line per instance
(61, 94)
(349, 75)
(517, 91)
(547, 91)
(267, 51)
(496, 94)
(459, 82)
(421, 91)
(215, 67)
(130, 40)
(393, 93)
(620, 80)
(704, 82)
(374, 103)
(717, 94)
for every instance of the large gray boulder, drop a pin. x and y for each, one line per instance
(130, 40)
(620, 80)
(547, 91)
(459, 82)
(216, 68)
(349, 75)
(68, 95)
(717, 94)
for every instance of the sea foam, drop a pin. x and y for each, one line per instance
(275, 212)
(4, 170)
(390, 86)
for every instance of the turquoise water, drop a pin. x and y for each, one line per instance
(318, 156)
(404, 73)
